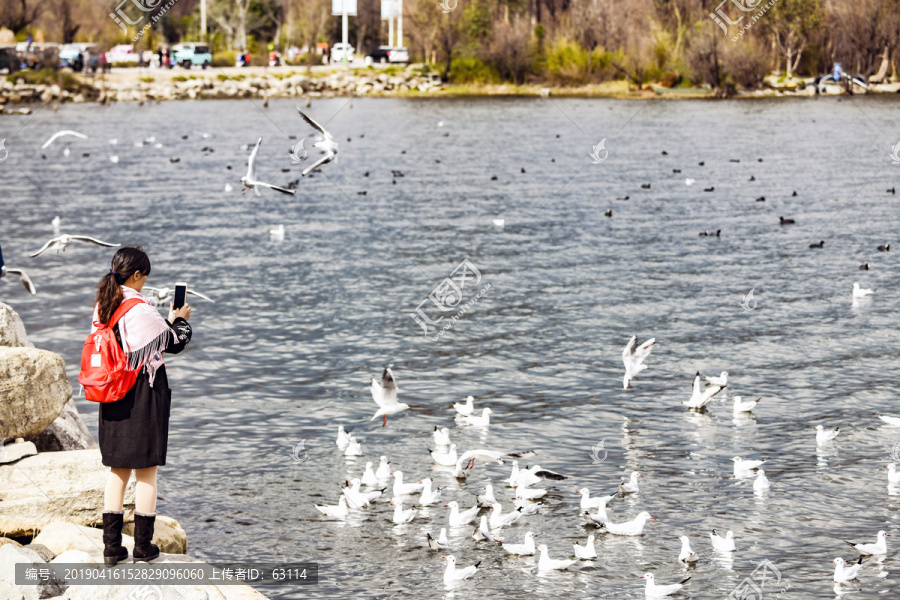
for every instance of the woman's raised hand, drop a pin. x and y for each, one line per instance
(184, 312)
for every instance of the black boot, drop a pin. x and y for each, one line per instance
(143, 533)
(113, 552)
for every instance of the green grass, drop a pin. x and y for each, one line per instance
(179, 78)
(147, 79)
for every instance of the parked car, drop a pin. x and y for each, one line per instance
(123, 53)
(387, 54)
(341, 50)
(10, 59)
(191, 54)
(69, 52)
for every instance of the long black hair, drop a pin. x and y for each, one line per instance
(125, 263)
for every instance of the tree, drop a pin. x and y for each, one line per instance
(512, 50)
(19, 14)
(791, 22)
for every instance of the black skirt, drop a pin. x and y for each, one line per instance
(134, 431)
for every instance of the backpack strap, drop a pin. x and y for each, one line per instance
(124, 307)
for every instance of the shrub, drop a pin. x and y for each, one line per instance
(147, 79)
(472, 70)
(567, 62)
(179, 78)
(224, 59)
(746, 63)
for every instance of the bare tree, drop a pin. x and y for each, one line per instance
(19, 14)
(512, 50)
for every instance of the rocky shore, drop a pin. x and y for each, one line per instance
(52, 483)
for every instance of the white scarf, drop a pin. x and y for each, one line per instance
(145, 334)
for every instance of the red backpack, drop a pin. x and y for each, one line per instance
(104, 367)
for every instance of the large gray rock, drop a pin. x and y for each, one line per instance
(10, 556)
(12, 330)
(66, 432)
(62, 536)
(54, 486)
(33, 391)
(167, 534)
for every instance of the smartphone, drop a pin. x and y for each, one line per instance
(180, 293)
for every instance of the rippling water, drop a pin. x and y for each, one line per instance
(300, 326)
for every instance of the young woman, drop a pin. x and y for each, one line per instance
(134, 430)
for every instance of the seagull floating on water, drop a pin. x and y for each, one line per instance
(498, 519)
(632, 527)
(893, 475)
(761, 483)
(487, 498)
(62, 241)
(457, 518)
(403, 516)
(384, 471)
(633, 359)
(843, 574)
(405, 489)
(368, 477)
(429, 496)
(859, 292)
(441, 436)
(895, 421)
(526, 548)
(533, 475)
(824, 436)
(438, 544)
(586, 552)
(467, 409)
(454, 575)
(482, 532)
(744, 407)
(630, 486)
(721, 380)
(686, 555)
(446, 459)
(483, 421)
(343, 438)
(588, 503)
(354, 447)
(652, 590)
(746, 465)
(722, 544)
(327, 145)
(340, 511)
(385, 396)
(700, 397)
(878, 548)
(545, 563)
(249, 180)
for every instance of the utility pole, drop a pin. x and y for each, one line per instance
(391, 32)
(399, 22)
(203, 20)
(344, 27)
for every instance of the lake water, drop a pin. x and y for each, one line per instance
(300, 326)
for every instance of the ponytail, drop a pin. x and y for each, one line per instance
(126, 262)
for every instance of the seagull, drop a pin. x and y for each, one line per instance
(895, 421)
(453, 575)
(277, 233)
(526, 548)
(441, 436)
(744, 407)
(823, 437)
(498, 519)
(630, 486)
(438, 544)
(162, 294)
(429, 496)
(534, 475)
(599, 519)
(893, 475)
(859, 292)
(498, 222)
(343, 438)
(527, 507)
(686, 555)
(689, 181)
(446, 459)
(587, 551)
(599, 503)
(527, 493)
(548, 564)
(354, 448)
(514, 476)
(368, 478)
(879, 547)
(385, 396)
(700, 397)
(457, 518)
(339, 511)
(761, 483)
(327, 145)
(721, 380)
(23, 276)
(249, 180)
(61, 242)
(55, 224)
(842, 573)
(632, 527)
(405, 489)
(483, 532)
(60, 134)
(721, 544)
(746, 465)
(483, 421)
(634, 358)
(384, 471)
(403, 516)
(651, 590)
(467, 409)
(487, 498)
(468, 458)
(358, 499)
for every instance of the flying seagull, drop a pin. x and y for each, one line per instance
(327, 145)
(384, 393)
(633, 359)
(249, 180)
(699, 397)
(60, 243)
(23, 276)
(162, 294)
(59, 134)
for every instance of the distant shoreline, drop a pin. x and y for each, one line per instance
(140, 85)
